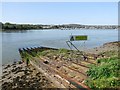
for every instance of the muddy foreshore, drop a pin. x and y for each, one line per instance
(110, 46)
(19, 76)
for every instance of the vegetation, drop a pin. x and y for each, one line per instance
(25, 55)
(50, 53)
(106, 74)
(9, 26)
(63, 53)
(62, 50)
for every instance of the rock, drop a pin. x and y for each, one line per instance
(7, 86)
(20, 62)
(60, 56)
(64, 58)
(14, 66)
(7, 66)
(55, 57)
(43, 79)
(23, 77)
(69, 59)
(30, 71)
(34, 69)
(17, 69)
(20, 84)
(78, 54)
(5, 72)
(13, 70)
(5, 75)
(58, 66)
(16, 79)
(38, 73)
(5, 83)
(9, 77)
(46, 62)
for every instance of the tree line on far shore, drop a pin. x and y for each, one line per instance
(9, 26)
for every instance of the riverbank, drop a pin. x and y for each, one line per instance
(18, 75)
(110, 46)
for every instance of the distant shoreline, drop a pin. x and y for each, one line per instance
(10, 26)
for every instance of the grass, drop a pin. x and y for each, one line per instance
(106, 74)
(53, 52)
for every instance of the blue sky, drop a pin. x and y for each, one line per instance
(60, 12)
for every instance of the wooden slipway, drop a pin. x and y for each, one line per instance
(63, 74)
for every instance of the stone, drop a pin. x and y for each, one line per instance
(20, 62)
(38, 73)
(7, 66)
(5, 72)
(55, 57)
(46, 62)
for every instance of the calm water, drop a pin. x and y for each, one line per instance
(11, 41)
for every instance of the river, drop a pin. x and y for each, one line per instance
(12, 40)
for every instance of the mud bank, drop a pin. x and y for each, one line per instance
(19, 76)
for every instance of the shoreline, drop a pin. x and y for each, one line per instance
(14, 74)
(109, 46)
(9, 30)
(8, 25)
(18, 75)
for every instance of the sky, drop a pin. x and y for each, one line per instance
(87, 13)
(60, 0)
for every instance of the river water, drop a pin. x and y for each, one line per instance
(12, 40)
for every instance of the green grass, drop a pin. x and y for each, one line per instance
(53, 52)
(62, 50)
(67, 54)
(25, 55)
(106, 74)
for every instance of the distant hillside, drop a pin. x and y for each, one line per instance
(10, 26)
